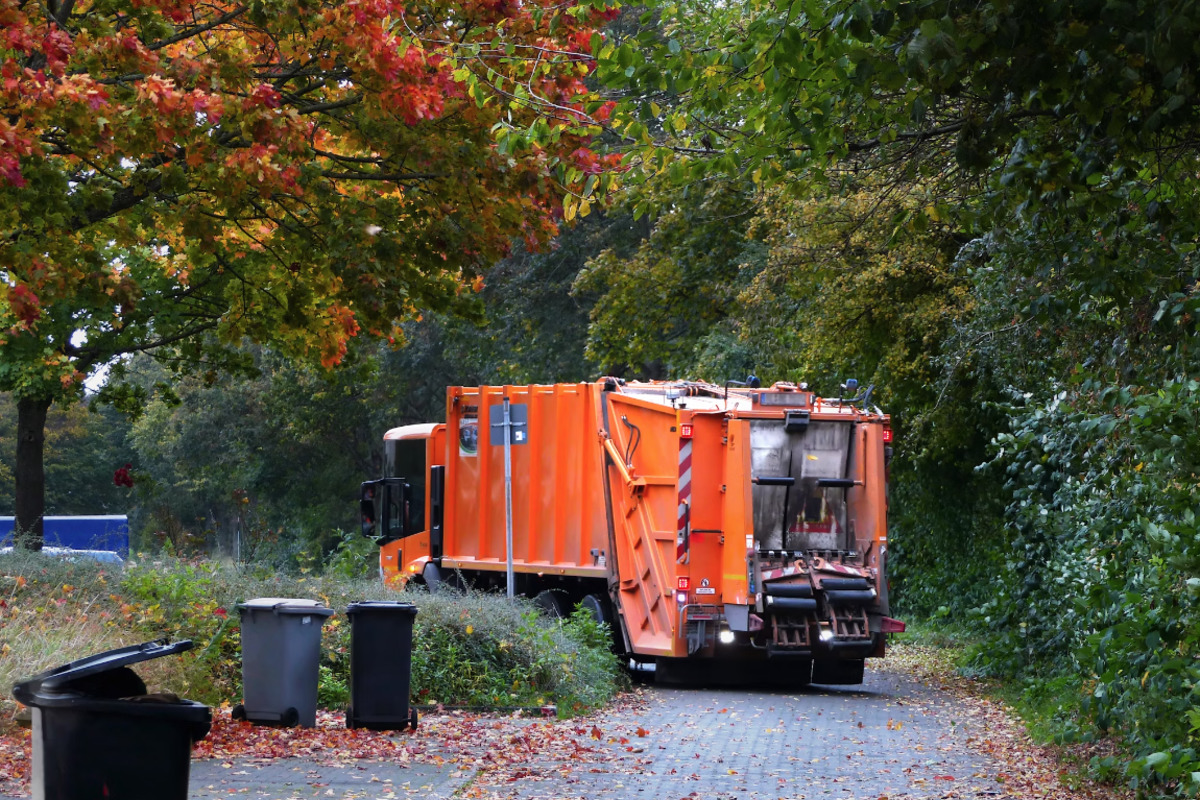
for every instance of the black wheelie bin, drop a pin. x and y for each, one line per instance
(380, 665)
(98, 734)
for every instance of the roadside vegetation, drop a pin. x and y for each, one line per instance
(469, 649)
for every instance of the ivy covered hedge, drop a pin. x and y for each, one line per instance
(1101, 587)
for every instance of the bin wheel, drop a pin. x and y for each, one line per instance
(412, 719)
(290, 718)
(350, 719)
(238, 712)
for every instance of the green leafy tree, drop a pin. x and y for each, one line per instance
(657, 300)
(175, 177)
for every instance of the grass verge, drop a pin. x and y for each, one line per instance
(468, 649)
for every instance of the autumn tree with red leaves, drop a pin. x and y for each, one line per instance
(176, 176)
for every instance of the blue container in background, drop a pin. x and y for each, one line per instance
(102, 533)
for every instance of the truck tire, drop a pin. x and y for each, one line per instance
(432, 575)
(598, 607)
(553, 603)
(602, 611)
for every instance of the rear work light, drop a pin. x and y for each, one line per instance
(887, 435)
(681, 598)
(685, 430)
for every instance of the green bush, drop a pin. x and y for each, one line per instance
(333, 690)
(480, 649)
(468, 649)
(1099, 591)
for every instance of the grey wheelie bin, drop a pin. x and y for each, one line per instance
(281, 656)
(380, 665)
(97, 733)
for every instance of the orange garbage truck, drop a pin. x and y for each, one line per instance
(717, 529)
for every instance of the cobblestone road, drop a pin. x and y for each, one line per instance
(889, 738)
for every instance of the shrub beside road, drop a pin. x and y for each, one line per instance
(468, 650)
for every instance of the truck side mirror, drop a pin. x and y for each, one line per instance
(366, 506)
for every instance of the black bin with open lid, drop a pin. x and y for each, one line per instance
(97, 733)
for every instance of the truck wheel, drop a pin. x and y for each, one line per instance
(552, 603)
(432, 575)
(602, 611)
(598, 607)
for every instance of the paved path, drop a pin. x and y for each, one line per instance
(288, 778)
(889, 738)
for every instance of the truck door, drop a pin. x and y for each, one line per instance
(404, 498)
(394, 507)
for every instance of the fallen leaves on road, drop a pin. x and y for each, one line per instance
(14, 759)
(505, 752)
(1028, 770)
(499, 748)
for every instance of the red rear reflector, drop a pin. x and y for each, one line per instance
(887, 435)
(685, 431)
(682, 583)
(889, 625)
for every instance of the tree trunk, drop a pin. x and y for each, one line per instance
(31, 471)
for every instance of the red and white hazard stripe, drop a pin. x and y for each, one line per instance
(685, 500)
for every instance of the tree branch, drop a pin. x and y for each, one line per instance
(317, 108)
(395, 177)
(189, 33)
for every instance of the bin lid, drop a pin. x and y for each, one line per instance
(382, 605)
(286, 605)
(101, 662)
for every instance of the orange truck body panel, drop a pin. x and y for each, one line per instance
(707, 521)
(556, 521)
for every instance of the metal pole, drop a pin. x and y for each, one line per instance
(508, 530)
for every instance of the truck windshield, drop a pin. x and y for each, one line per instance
(405, 514)
(804, 516)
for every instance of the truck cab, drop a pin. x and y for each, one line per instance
(404, 509)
